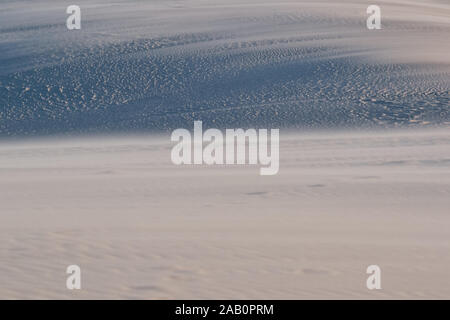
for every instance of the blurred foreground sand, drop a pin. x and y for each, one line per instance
(140, 227)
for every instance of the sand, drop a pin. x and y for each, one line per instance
(162, 64)
(141, 228)
(351, 191)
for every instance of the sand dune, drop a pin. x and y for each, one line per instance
(160, 65)
(140, 227)
(352, 190)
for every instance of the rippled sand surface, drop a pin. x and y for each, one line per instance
(159, 65)
(141, 228)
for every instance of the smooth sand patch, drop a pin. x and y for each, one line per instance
(140, 227)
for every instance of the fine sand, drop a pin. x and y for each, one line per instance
(140, 227)
(162, 64)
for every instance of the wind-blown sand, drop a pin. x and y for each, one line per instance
(140, 227)
(160, 65)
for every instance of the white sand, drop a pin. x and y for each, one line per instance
(161, 64)
(140, 227)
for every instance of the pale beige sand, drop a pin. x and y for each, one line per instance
(140, 227)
